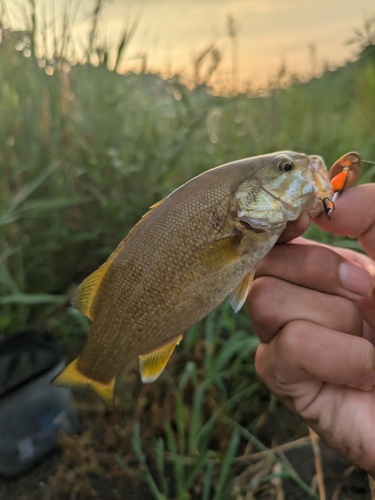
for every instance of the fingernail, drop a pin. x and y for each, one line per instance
(355, 278)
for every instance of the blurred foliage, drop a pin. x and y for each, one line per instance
(85, 151)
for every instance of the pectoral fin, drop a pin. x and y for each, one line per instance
(238, 296)
(84, 296)
(221, 252)
(152, 364)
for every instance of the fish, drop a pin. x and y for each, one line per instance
(184, 257)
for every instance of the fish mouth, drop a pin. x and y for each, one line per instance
(254, 229)
(316, 174)
(310, 191)
(318, 192)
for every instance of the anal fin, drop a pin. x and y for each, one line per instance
(152, 364)
(238, 296)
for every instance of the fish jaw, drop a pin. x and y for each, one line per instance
(271, 197)
(317, 175)
(266, 214)
(309, 190)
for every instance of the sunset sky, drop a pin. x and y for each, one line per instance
(173, 32)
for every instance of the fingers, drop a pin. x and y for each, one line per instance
(305, 353)
(358, 258)
(311, 282)
(313, 310)
(354, 216)
(295, 228)
(316, 267)
(328, 378)
(272, 303)
(367, 309)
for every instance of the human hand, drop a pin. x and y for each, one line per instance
(314, 310)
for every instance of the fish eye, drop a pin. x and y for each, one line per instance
(285, 166)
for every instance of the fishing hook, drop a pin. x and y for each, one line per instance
(328, 206)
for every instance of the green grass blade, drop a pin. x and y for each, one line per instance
(45, 205)
(29, 188)
(160, 464)
(137, 447)
(208, 482)
(226, 464)
(32, 299)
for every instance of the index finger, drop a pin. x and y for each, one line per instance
(354, 216)
(351, 255)
(318, 268)
(295, 228)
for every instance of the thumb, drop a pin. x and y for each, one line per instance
(354, 216)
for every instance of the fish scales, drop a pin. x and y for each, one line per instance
(176, 237)
(181, 260)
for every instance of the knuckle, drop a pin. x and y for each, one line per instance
(261, 292)
(292, 340)
(263, 306)
(259, 364)
(350, 317)
(356, 318)
(262, 364)
(266, 366)
(367, 365)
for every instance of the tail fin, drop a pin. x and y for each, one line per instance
(71, 376)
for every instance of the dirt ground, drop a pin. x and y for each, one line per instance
(87, 477)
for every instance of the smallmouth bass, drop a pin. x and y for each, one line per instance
(184, 257)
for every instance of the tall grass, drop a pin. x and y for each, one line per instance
(84, 152)
(81, 163)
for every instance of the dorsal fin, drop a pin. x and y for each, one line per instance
(152, 364)
(84, 295)
(151, 209)
(157, 204)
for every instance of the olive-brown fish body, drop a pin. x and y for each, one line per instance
(184, 258)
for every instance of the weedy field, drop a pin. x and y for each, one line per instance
(84, 152)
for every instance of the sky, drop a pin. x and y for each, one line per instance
(269, 32)
(301, 34)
